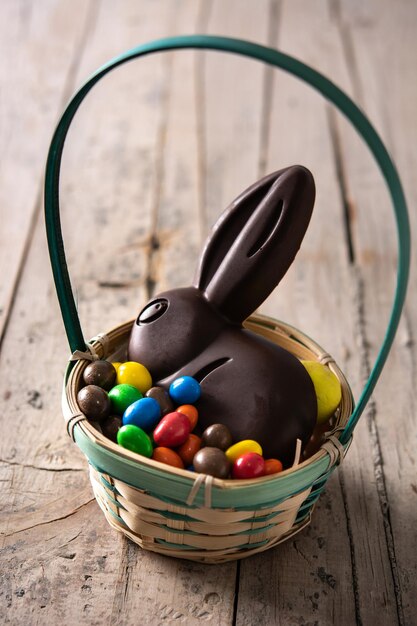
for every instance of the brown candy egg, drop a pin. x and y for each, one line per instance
(217, 436)
(94, 402)
(100, 373)
(162, 397)
(110, 427)
(212, 461)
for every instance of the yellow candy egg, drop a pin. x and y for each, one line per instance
(135, 374)
(241, 447)
(327, 387)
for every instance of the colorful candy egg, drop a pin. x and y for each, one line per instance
(100, 373)
(327, 387)
(135, 374)
(191, 412)
(185, 390)
(122, 396)
(249, 465)
(217, 436)
(212, 461)
(94, 402)
(189, 448)
(241, 447)
(272, 466)
(162, 397)
(135, 439)
(172, 431)
(167, 456)
(144, 413)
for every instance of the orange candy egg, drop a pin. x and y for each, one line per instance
(191, 412)
(272, 466)
(167, 456)
(189, 448)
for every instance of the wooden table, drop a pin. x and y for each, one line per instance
(156, 152)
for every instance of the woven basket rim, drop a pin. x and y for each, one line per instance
(257, 323)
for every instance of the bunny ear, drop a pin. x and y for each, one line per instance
(255, 241)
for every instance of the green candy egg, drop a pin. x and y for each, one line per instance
(122, 396)
(135, 439)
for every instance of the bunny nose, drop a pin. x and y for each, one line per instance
(153, 311)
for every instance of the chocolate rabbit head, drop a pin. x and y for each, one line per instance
(259, 390)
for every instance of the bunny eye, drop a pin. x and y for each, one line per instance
(152, 311)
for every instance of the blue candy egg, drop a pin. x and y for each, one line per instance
(144, 413)
(185, 390)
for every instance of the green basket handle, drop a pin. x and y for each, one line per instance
(272, 57)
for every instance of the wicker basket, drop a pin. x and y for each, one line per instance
(177, 512)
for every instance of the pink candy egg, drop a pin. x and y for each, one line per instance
(249, 465)
(172, 430)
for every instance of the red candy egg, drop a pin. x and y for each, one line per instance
(189, 449)
(249, 465)
(172, 430)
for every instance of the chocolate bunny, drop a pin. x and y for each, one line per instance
(258, 389)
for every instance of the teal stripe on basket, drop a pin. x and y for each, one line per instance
(155, 482)
(175, 516)
(308, 503)
(246, 520)
(178, 546)
(263, 518)
(188, 518)
(184, 531)
(107, 484)
(119, 519)
(301, 517)
(109, 497)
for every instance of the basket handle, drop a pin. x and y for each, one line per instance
(272, 57)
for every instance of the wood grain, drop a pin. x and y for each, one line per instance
(155, 153)
(121, 580)
(41, 48)
(312, 575)
(369, 45)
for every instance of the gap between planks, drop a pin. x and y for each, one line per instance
(350, 56)
(69, 85)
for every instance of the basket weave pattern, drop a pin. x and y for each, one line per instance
(116, 468)
(198, 517)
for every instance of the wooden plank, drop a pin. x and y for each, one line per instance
(136, 182)
(376, 36)
(105, 577)
(311, 575)
(203, 169)
(353, 554)
(41, 45)
(276, 586)
(232, 91)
